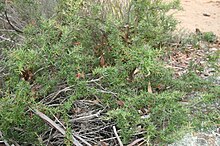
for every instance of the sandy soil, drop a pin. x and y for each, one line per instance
(201, 14)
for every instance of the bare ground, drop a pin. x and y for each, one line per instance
(205, 16)
(201, 14)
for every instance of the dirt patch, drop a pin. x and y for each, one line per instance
(201, 14)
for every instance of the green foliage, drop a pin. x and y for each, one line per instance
(16, 120)
(203, 110)
(209, 37)
(2, 5)
(166, 115)
(84, 42)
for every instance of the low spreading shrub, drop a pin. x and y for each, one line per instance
(85, 41)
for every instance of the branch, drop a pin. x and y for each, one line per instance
(54, 125)
(13, 27)
(96, 115)
(135, 142)
(3, 39)
(6, 39)
(118, 138)
(7, 30)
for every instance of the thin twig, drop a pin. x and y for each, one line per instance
(56, 126)
(6, 39)
(94, 80)
(118, 138)
(136, 141)
(2, 69)
(85, 142)
(40, 69)
(9, 40)
(59, 121)
(48, 140)
(94, 131)
(7, 30)
(107, 92)
(9, 22)
(54, 95)
(5, 141)
(142, 143)
(96, 115)
(107, 139)
(3, 20)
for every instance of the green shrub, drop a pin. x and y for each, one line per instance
(166, 116)
(209, 37)
(16, 119)
(84, 42)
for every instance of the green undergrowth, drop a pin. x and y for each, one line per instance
(108, 56)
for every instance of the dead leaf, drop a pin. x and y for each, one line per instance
(36, 88)
(97, 101)
(33, 22)
(132, 74)
(102, 143)
(76, 43)
(160, 87)
(149, 88)
(102, 61)
(136, 142)
(136, 71)
(80, 75)
(76, 110)
(27, 75)
(120, 103)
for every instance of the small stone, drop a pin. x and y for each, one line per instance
(202, 62)
(207, 15)
(213, 49)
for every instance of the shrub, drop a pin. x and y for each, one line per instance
(120, 46)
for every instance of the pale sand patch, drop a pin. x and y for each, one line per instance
(192, 15)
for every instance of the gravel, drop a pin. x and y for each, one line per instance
(211, 138)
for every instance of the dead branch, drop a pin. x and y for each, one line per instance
(56, 126)
(136, 141)
(85, 142)
(13, 26)
(118, 138)
(96, 115)
(6, 39)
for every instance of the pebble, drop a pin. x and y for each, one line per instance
(213, 49)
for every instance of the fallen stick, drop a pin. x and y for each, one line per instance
(116, 135)
(96, 115)
(136, 141)
(54, 125)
